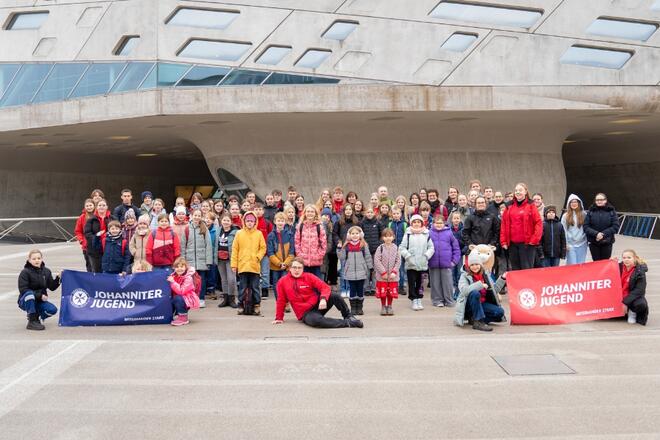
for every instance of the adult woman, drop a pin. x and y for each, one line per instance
(521, 230)
(324, 197)
(94, 229)
(413, 208)
(87, 213)
(351, 197)
(576, 239)
(299, 204)
(452, 199)
(423, 196)
(600, 225)
(358, 209)
(462, 206)
(310, 240)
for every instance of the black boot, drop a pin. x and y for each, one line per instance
(482, 326)
(34, 323)
(223, 300)
(232, 301)
(264, 292)
(352, 321)
(358, 306)
(353, 306)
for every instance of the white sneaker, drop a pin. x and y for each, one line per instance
(440, 305)
(413, 304)
(202, 304)
(419, 304)
(632, 317)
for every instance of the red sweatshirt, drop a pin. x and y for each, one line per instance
(302, 293)
(265, 227)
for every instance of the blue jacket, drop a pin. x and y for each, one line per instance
(399, 229)
(116, 255)
(213, 232)
(447, 251)
(281, 250)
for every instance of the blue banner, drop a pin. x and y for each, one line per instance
(105, 299)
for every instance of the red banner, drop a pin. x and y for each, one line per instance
(565, 294)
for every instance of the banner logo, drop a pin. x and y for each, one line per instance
(79, 298)
(527, 299)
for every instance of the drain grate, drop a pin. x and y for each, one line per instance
(532, 365)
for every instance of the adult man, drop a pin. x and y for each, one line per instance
(126, 204)
(310, 299)
(384, 196)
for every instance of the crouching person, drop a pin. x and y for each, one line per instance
(310, 299)
(33, 284)
(478, 299)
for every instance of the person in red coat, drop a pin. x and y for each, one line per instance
(521, 229)
(87, 213)
(310, 299)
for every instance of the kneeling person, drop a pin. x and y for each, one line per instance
(33, 284)
(310, 299)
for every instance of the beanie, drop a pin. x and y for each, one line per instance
(474, 257)
(179, 210)
(144, 220)
(147, 194)
(416, 217)
(129, 214)
(549, 208)
(326, 211)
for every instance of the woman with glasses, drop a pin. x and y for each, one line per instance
(600, 225)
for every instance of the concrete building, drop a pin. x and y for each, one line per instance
(260, 94)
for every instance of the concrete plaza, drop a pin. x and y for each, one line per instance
(411, 376)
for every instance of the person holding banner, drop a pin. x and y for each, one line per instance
(521, 229)
(601, 224)
(573, 223)
(33, 284)
(633, 283)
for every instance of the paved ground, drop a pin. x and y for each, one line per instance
(410, 376)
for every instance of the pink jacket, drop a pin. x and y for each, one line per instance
(184, 286)
(387, 261)
(309, 245)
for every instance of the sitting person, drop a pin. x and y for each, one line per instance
(478, 298)
(184, 296)
(310, 299)
(633, 283)
(33, 284)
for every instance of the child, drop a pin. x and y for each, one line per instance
(212, 279)
(163, 246)
(339, 233)
(138, 244)
(398, 226)
(633, 283)
(157, 209)
(553, 242)
(277, 199)
(311, 241)
(184, 296)
(116, 255)
(180, 202)
(387, 264)
(573, 223)
(196, 248)
(479, 297)
(416, 249)
(180, 222)
(356, 260)
(94, 229)
(141, 266)
(265, 227)
(290, 217)
(372, 230)
(447, 255)
(130, 225)
(384, 215)
(147, 199)
(247, 251)
(329, 275)
(281, 250)
(33, 284)
(226, 235)
(235, 212)
(270, 209)
(457, 230)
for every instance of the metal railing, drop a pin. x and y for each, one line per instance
(17, 222)
(638, 224)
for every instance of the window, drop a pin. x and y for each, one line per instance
(98, 79)
(284, 78)
(595, 57)
(492, 15)
(26, 83)
(164, 75)
(340, 30)
(26, 20)
(459, 42)
(313, 58)
(617, 28)
(132, 77)
(60, 82)
(126, 45)
(89, 16)
(203, 76)
(273, 55)
(203, 18)
(244, 78)
(7, 72)
(214, 50)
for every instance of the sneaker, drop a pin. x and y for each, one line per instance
(420, 306)
(180, 320)
(352, 321)
(438, 305)
(632, 317)
(383, 311)
(413, 304)
(34, 323)
(202, 304)
(389, 311)
(482, 326)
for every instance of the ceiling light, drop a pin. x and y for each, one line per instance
(146, 155)
(618, 133)
(38, 144)
(627, 121)
(570, 141)
(119, 138)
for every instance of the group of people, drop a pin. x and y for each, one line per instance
(316, 255)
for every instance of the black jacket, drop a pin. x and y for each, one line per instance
(37, 280)
(119, 211)
(372, 229)
(269, 213)
(92, 227)
(494, 208)
(637, 285)
(482, 227)
(554, 239)
(339, 232)
(601, 219)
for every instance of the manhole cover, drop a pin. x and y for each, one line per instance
(532, 364)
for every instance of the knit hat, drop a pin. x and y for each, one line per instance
(129, 214)
(549, 208)
(147, 194)
(179, 210)
(248, 215)
(416, 217)
(474, 257)
(144, 220)
(326, 211)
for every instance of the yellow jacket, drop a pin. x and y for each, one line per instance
(247, 251)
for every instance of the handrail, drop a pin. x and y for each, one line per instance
(637, 224)
(16, 222)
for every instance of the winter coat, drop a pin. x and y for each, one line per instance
(372, 230)
(311, 243)
(575, 236)
(447, 250)
(144, 209)
(247, 250)
(601, 219)
(399, 229)
(163, 247)
(92, 227)
(387, 261)
(466, 284)
(281, 248)
(458, 235)
(213, 232)
(482, 227)
(116, 255)
(494, 208)
(79, 230)
(138, 246)
(269, 213)
(416, 250)
(637, 283)
(119, 211)
(197, 249)
(521, 223)
(37, 279)
(184, 285)
(181, 229)
(438, 208)
(303, 293)
(264, 226)
(339, 232)
(226, 238)
(357, 264)
(554, 239)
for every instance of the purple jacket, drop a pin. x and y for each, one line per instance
(447, 250)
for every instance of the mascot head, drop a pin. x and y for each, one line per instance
(485, 254)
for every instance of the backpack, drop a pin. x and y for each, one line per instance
(428, 238)
(318, 232)
(197, 282)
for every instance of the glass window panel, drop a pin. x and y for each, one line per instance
(27, 20)
(25, 84)
(203, 76)
(169, 73)
(244, 78)
(98, 79)
(340, 30)
(151, 80)
(273, 55)
(7, 72)
(131, 77)
(214, 50)
(285, 78)
(313, 58)
(204, 18)
(589, 56)
(60, 82)
(127, 45)
(628, 30)
(493, 15)
(459, 42)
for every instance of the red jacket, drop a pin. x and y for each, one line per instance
(302, 293)
(163, 247)
(265, 227)
(521, 223)
(79, 231)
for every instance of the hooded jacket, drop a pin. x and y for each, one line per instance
(636, 289)
(184, 285)
(416, 249)
(575, 236)
(601, 219)
(554, 239)
(311, 243)
(116, 254)
(248, 248)
(197, 248)
(447, 250)
(37, 279)
(280, 248)
(482, 227)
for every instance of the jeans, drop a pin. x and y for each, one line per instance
(414, 284)
(316, 270)
(277, 275)
(456, 275)
(600, 252)
(356, 288)
(478, 311)
(576, 254)
(316, 318)
(522, 256)
(550, 262)
(228, 278)
(203, 274)
(343, 282)
(212, 279)
(402, 274)
(29, 304)
(179, 305)
(442, 287)
(265, 273)
(249, 281)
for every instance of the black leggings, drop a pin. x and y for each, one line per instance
(600, 251)
(522, 256)
(95, 262)
(316, 318)
(414, 284)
